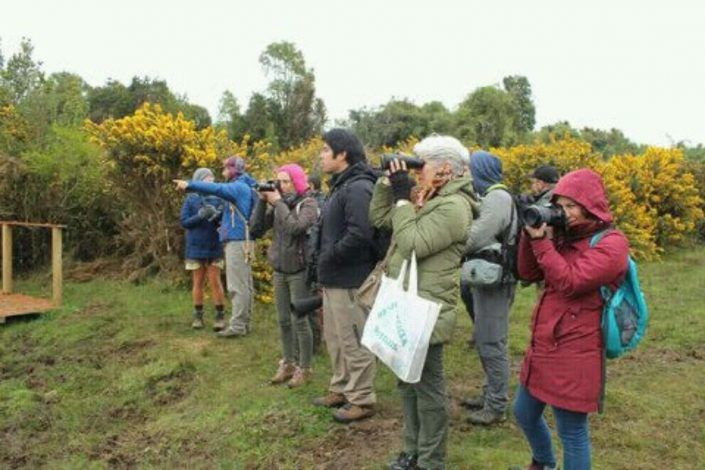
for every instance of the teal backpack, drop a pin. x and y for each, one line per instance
(625, 315)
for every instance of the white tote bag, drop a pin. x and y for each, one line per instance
(399, 326)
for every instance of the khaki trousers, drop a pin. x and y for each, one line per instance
(354, 366)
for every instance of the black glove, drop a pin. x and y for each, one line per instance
(206, 212)
(401, 185)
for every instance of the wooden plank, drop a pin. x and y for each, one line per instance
(6, 259)
(18, 304)
(17, 223)
(57, 277)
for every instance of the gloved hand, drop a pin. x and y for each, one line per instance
(206, 212)
(216, 216)
(401, 185)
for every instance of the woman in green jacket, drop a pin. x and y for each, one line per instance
(431, 220)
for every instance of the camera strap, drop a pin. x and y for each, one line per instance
(249, 248)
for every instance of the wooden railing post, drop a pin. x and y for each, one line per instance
(56, 268)
(7, 258)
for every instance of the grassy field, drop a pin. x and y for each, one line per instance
(116, 378)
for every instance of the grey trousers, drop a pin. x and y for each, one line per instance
(238, 276)
(296, 335)
(354, 366)
(491, 306)
(426, 416)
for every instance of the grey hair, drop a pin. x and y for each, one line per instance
(444, 148)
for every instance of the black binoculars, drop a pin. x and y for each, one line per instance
(412, 163)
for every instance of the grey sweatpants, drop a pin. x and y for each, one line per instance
(238, 277)
(491, 306)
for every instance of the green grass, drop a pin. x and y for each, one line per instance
(116, 378)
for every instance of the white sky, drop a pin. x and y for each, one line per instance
(627, 64)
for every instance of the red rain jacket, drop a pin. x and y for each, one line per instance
(564, 360)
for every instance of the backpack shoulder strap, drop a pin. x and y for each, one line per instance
(598, 236)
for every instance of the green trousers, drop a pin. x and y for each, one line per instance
(296, 336)
(425, 408)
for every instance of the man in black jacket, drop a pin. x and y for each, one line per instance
(346, 257)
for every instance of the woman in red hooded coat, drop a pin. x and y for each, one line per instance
(564, 362)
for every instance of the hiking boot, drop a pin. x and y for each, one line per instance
(301, 377)
(404, 462)
(284, 373)
(486, 417)
(219, 323)
(475, 403)
(332, 400)
(197, 323)
(349, 413)
(230, 333)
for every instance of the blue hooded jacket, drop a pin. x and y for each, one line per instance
(239, 192)
(486, 171)
(201, 235)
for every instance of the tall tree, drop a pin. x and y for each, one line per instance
(293, 107)
(21, 75)
(519, 89)
(230, 116)
(487, 118)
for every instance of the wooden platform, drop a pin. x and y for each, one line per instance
(19, 304)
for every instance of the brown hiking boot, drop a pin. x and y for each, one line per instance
(331, 400)
(349, 413)
(486, 417)
(284, 373)
(301, 377)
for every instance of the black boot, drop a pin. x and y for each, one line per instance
(404, 462)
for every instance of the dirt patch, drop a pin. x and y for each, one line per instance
(357, 445)
(661, 355)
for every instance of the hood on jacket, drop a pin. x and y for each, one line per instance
(201, 174)
(247, 179)
(585, 187)
(486, 171)
(463, 186)
(297, 175)
(235, 167)
(356, 171)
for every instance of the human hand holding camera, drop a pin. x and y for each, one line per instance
(271, 196)
(542, 231)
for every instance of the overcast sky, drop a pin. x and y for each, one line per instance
(632, 65)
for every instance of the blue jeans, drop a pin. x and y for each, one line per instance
(572, 430)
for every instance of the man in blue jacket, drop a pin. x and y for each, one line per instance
(239, 200)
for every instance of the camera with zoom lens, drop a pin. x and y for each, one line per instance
(306, 305)
(267, 186)
(537, 215)
(412, 163)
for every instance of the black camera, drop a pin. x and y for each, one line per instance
(267, 186)
(536, 215)
(306, 305)
(412, 163)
